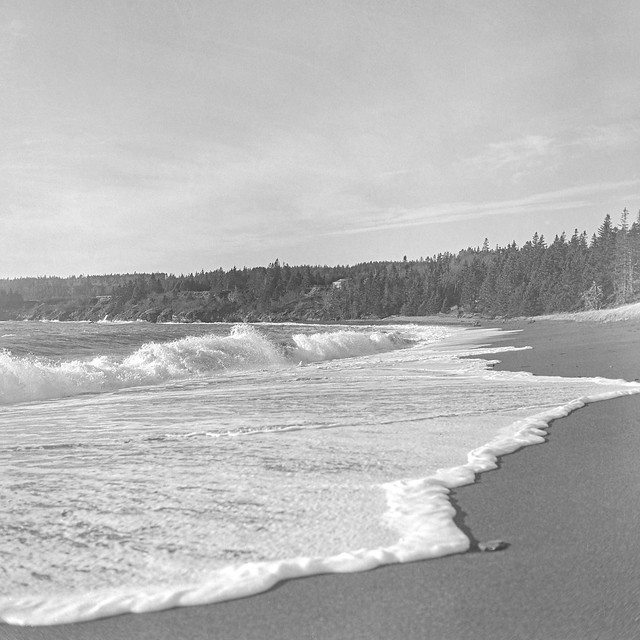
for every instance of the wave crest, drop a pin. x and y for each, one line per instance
(31, 378)
(318, 347)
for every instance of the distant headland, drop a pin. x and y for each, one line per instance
(565, 275)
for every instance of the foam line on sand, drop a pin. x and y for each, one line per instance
(568, 509)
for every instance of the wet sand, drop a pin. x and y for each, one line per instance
(569, 509)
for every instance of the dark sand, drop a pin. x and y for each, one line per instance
(570, 510)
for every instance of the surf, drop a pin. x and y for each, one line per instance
(360, 478)
(33, 378)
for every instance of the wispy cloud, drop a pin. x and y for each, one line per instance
(619, 135)
(519, 156)
(551, 201)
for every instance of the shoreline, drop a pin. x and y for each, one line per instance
(478, 595)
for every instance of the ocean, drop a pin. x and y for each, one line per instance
(145, 466)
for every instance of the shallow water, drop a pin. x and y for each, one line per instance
(137, 459)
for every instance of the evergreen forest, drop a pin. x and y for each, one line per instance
(541, 277)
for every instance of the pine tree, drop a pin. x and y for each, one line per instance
(624, 263)
(602, 259)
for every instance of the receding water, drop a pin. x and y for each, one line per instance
(142, 459)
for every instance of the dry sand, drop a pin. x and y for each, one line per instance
(569, 509)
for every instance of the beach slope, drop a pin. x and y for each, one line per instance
(569, 510)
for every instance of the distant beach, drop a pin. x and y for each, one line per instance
(567, 509)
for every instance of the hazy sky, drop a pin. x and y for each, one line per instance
(179, 135)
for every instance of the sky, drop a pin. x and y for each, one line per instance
(180, 135)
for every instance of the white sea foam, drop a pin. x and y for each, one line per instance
(323, 346)
(35, 378)
(418, 510)
(106, 320)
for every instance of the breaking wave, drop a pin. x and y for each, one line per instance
(318, 347)
(32, 378)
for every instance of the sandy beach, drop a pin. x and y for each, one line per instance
(569, 510)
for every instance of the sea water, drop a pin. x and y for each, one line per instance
(149, 466)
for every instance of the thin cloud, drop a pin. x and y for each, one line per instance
(519, 156)
(561, 200)
(615, 136)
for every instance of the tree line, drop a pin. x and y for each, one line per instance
(566, 274)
